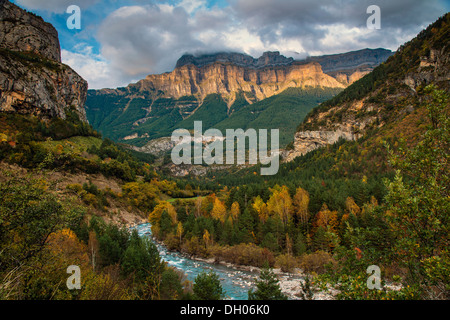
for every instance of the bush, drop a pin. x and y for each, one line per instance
(245, 254)
(316, 262)
(194, 247)
(286, 262)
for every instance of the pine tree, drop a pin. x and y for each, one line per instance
(207, 286)
(267, 287)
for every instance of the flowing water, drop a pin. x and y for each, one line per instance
(235, 282)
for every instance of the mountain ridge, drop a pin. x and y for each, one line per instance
(152, 107)
(192, 74)
(388, 93)
(267, 59)
(226, 79)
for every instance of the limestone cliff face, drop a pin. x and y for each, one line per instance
(260, 78)
(307, 141)
(25, 32)
(32, 78)
(226, 79)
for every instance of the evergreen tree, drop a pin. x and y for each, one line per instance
(207, 286)
(267, 287)
(270, 242)
(245, 227)
(166, 224)
(320, 240)
(300, 245)
(141, 259)
(171, 288)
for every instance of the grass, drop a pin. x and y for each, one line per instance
(75, 145)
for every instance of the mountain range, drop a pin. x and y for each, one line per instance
(226, 90)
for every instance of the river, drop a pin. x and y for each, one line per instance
(235, 282)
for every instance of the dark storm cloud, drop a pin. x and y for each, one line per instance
(352, 13)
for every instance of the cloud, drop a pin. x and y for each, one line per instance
(92, 67)
(192, 5)
(319, 24)
(147, 36)
(138, 40)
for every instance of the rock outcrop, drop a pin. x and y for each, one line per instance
(32, 78)
(25, 32)
(350, 128)
(386, 97)
(307, 141)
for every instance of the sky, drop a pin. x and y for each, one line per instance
(122, 41)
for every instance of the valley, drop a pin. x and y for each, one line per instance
(242, 93)
(86, 176)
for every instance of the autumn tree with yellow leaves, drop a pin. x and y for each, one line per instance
(301, 203)
(219, 211)
(280, 204)
(261, 208)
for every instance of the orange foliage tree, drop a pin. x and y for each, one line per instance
(235, 210)
(326, 219)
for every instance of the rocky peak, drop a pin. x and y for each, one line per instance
(273, 59)
(25, 32)
(238, 59)
(32, 78)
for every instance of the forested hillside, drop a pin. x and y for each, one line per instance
(151, 119)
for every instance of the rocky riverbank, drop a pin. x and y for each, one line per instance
(290, 283)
